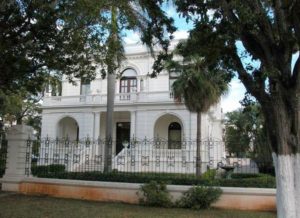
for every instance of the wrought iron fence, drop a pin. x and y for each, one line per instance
(136, 155)
(152, 156)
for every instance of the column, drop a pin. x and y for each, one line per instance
(97, 125)
(17, 152)
(132, 124)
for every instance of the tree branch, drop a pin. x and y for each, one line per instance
(280, 18)
(296, 74)
(252, 87)
(296, 20)
(258, 41)
(264, 25)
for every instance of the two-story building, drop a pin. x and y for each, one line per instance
(144, 108)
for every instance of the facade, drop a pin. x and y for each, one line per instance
(144, 108)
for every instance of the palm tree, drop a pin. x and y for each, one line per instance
(113, 59)
(145, 17)
(199, 88)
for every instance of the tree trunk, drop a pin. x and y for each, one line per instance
(198, 144)
(282, 122)
(111, 78)
(19, 120)
(287, 169)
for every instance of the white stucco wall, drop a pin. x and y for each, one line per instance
(50, 123)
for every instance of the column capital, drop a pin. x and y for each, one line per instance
(19, 132)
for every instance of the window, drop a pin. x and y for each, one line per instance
(128, 83)
(173, 76)
(174, 136)
(56, 89)
(85, 87)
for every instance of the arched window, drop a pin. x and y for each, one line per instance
(128, 83)
(68, 128)
(174, 136)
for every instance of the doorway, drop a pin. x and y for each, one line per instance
(123, 135)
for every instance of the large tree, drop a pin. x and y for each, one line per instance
(199, 87)
(37, 37)
(246, 135)
(257, 39)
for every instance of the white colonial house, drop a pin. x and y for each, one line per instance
(144, 108)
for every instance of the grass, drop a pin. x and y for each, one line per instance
(13, 205)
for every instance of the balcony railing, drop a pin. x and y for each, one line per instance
(120, 98)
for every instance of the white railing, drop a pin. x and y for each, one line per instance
(120, 98)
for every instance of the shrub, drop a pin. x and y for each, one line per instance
(155, 194)
(57, 168)
(199, 197)
(47, 170)
(209, 174)
(259, 182)
(39, 170)
(266, 168)
(2, 171)
(247, 175)
(3, 152)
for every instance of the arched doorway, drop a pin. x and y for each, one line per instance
(174, 136)
(169, 127)
(68, 127)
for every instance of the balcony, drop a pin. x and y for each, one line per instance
(101, 99)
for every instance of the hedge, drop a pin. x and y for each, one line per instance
(248, 175)
(175, 179)
(44, 170)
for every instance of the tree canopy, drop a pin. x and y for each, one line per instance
(245, 133)
(257, 40)
(37, 37)
(199, 86)
(67, 37)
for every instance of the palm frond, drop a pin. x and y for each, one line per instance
(199, 87)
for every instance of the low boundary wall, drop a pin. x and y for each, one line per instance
(232, 198)
(17, 167)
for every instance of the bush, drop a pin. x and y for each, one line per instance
(247, 175)
(259, 182)
(155, 194)
(3, 153)
(39, 170)
(2, 171)
(199, 197)
(209, 174)
(57, 168)
(266, 168)
(51, 170)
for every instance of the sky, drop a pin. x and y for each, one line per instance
(236, 93)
